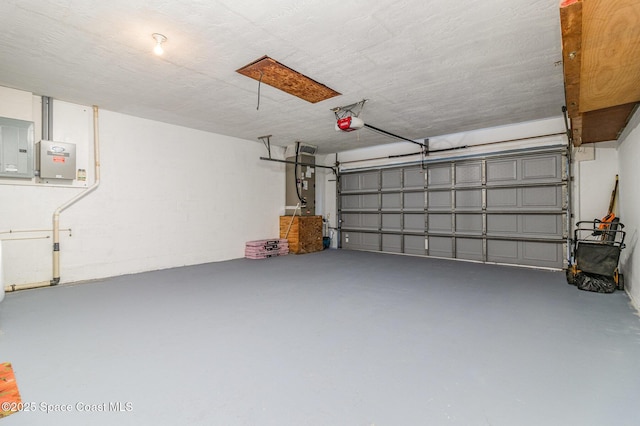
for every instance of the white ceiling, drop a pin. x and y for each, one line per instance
(427, 67)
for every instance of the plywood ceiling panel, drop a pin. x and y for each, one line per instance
(601, 58)
(280, 76)
(605, 124)
(610, 65)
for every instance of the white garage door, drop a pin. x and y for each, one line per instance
(508, 208)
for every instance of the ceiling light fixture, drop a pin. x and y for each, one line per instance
(159, 38)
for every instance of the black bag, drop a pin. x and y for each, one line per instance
(594, 282)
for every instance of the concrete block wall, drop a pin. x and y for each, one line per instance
(629, 204)
(169, 196)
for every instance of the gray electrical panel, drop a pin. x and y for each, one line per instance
(56, 160)
(305, 179)
(16, 148)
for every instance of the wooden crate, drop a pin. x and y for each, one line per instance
(305, 235)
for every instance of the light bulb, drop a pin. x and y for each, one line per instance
(159, 38)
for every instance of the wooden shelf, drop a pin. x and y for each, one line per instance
(601, 57)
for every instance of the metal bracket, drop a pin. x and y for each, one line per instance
(352, 110)
(266, 140)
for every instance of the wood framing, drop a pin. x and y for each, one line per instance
(275, 74)
(601, 57)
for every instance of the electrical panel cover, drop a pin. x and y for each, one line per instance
(56, 160)
(16, 148)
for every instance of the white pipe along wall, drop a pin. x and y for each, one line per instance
(56, 219)
(59, 210)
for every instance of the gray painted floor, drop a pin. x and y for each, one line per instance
(331, 338)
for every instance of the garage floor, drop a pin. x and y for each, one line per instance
(332, 338)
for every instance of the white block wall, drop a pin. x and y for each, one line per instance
(594, 181)
(169, 196)
(629, 204)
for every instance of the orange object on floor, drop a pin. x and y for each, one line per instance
(9, 396)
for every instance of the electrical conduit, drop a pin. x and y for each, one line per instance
(59, 210)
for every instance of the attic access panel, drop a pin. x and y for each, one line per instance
(275, 74)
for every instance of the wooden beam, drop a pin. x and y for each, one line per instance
(605, 124)
(610, 63)
(576, 130)
(571, 23)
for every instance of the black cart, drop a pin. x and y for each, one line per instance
(595, 254)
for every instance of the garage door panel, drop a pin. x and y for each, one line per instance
(392, 243)
(391, 179)
(549, 197)
(369, 181)
(506, 208)
(414, 222)
(525, 225)
(470, 199)
(441, 246)
(360, 221)
(543, 167)
(369, 201)
(414, 178)
(414, 200)
(414, 244)
(525, 170)
(502, 251)
(352, 240)
(439, 200)
(360, 202)
(531, 253)
(501, 171)
(542, 225)
(439, 223)
(469, 248)
(360, 241)
(469, 223)
(502, 224)
(468, 174)
(501, 198)
(439, 175)
(350, 182)
(538, 252)
(392, 201)
(392, 222)
(351, 220)
(350, 202)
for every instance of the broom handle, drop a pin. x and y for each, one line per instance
(291, 223)
(612, 203)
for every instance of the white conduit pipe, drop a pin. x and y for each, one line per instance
(56, 214)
